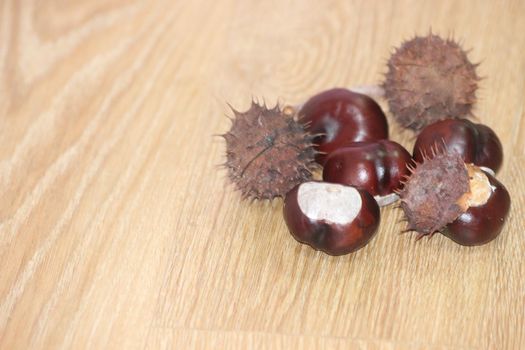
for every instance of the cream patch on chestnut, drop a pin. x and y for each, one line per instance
(330, 202)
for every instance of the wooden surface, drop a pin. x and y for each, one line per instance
(118, 230)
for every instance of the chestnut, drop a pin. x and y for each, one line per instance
(481, 223)
(378, 167)
(476, 143)
(339, 116)
(333, 218)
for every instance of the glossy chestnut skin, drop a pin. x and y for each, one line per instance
(476, 143)
(329, 237)
(480, 225)
(342, 116)
(377, 167)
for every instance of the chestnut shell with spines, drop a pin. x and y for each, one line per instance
(267, 152)
(430, 196)
(428, 79)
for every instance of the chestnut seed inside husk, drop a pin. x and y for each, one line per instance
(482, 221)
(459, 200)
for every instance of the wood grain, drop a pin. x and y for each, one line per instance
(119, 230)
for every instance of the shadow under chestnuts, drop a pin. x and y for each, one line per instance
(446, 185)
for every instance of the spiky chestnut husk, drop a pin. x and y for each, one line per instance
(268, 152)
(430, 79)
(431, 196)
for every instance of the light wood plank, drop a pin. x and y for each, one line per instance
(119, 230)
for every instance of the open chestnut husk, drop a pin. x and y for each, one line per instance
(378, 167)
(465, 203)
(339, 116)
(476, 143)
(333, 218)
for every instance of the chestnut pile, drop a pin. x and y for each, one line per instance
(446, 185)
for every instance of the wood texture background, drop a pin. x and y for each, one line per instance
(117, 229)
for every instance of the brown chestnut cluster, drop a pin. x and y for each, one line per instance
(362, 170)
(446, 185)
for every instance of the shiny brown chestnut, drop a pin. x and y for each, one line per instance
(377, 167)
(481, 224)
(333, 218)
(476, 143)
(340, 116)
